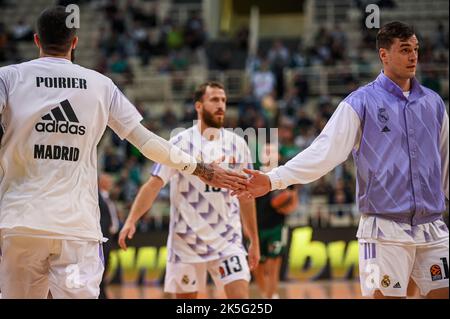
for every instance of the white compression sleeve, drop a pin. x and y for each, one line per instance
(329, 149)
(160, 150)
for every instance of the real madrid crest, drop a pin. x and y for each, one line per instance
(383, 115)
(385, 282)
(185, 279)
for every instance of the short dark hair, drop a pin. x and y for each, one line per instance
(200, 91)
(392, 30)
(54, 35)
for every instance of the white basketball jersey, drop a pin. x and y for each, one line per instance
(53, 115)
(205, 221)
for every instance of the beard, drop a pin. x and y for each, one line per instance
(209, 119)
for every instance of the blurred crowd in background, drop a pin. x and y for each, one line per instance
(268, 101)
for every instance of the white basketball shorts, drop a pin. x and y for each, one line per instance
(191, 277)
(33, 266)
(388, 266)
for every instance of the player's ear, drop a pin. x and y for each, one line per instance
(37, 41)
(198, 106)
(382, 54)
(74, 42)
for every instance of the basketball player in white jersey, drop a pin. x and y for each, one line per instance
(205, 222)
(54, 113)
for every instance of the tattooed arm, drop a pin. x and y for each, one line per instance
(159, 150)
(216, 176)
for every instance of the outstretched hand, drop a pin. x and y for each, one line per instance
(213, 174)
(258, 185)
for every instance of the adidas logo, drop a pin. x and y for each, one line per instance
(385, 129)
(59, 120)
(397, 285)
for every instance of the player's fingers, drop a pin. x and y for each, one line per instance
(237, 186)
(131, 233)
(238, 180)
(234, 187)
(229, 185)
(122, 243)
(234, 182)
(251, 172)
(234, 174)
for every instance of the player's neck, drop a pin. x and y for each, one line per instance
(45, 55)
(404, 84)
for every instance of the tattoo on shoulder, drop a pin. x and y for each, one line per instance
(204, 170)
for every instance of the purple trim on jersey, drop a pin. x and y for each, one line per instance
(208, 213)
(443, 227)
(101, 254)
(209, 252)
(228, 202)
(427, 236)
(234, 239)
(228, 230)
(191, 149)
(156, 169)
(235, 207)
(194, 246)
(189, 231)
(219, 221)
(198, 241)
(369, 251)
(409, 232)
(191, 189)
(178, 140)
(398, 161)
(178, 216)
(380, 234)
(201, 201)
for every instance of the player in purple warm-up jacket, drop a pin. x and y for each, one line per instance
(397, 131)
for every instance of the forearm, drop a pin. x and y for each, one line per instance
(328, 150)
(145, 199)
(306, 167)
(204, 170)
(248, 215)
(161, 151)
